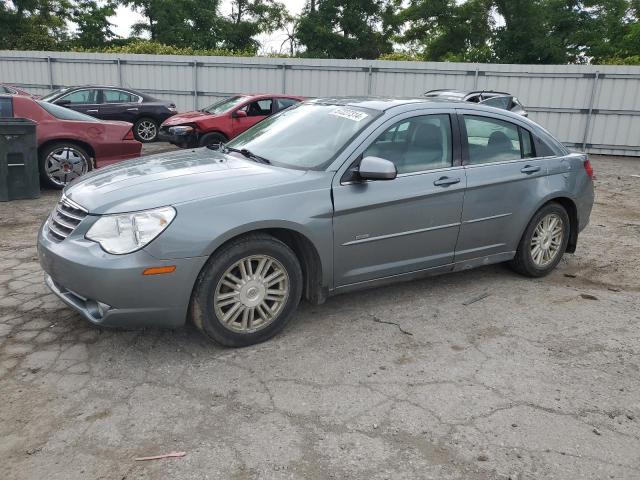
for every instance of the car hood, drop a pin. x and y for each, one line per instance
(173, 178)
(187, 117)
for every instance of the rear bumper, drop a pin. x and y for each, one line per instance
(110, 290)
(584, 204)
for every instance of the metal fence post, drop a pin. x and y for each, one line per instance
(475, 78)
(284, 78)
(592, 99)
(195, 85)
(370, 80)
(50, 73)
(119, 72)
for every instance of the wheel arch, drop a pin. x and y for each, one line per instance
(572, 210)
(305, 250)
(84, 145)
(216, 131)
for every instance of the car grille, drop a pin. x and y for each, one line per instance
(65, 218)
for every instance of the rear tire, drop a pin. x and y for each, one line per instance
(544, 242)
(212, 139)
(145, 130)
(247, 292)
(62, 162)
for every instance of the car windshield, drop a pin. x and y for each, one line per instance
(65, 113)
(308, 136)
(224, 105)
(54, 94)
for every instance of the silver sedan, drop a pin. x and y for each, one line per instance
(326, 197)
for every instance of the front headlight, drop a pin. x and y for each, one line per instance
(181, 130)
(128, 232)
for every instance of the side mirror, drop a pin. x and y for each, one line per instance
(375, 168)
(239, 114)
(63, 103)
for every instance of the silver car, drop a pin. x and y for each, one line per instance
(326, 197)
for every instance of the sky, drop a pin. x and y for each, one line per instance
(125, 17)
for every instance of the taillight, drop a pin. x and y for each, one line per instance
(129, 135)
(588, 168)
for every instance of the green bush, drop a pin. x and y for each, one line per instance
(153, 48)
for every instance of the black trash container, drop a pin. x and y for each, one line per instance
(19, 176)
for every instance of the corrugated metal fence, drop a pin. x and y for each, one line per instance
(592, 107)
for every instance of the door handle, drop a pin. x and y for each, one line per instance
(92, 111)
(530, 169)
(446, 181)
(132, 109)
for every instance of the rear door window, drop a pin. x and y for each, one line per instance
(491, 140)
(6, 107)
(118, 96)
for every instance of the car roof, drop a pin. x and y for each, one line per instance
(381, 103)
(446, 92)
(68, 89)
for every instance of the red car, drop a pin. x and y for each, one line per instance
(70, 143)
(223, 120)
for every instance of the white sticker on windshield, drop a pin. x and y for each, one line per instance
(344, 112)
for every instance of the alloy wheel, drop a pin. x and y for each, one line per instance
(547, 240)
(147, 130)
(65, 164)
(251, 293)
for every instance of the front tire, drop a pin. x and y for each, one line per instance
(145, 130)
(62, 162)
(247, 292)
(212, 138)
(544, 242)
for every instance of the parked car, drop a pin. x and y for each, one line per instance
(70, 144)
(11, 90)
(323, 198)
(117, 103)
(223, 120)
(502, 100)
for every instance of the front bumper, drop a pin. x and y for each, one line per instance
(187, 140)
(110, 290)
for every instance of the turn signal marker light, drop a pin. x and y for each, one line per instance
(159, 270)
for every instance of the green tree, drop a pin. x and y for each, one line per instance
(448, 30)
(94, 30)
(347, 28)
(34, 24)
(250, 18)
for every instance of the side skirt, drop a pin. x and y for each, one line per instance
(405, 277)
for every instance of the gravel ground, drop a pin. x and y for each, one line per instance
(539, 379)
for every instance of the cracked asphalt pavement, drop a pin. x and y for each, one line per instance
(476, 375)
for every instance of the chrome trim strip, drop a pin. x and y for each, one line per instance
(60, 221)
(72, 204)
(57, 232)
(400, 234)
(478, 249)
(68, 215)
(475, 220)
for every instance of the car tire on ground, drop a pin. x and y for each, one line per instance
(212, 139)
(145, 130)
(62, 162)
(543, 242)
(247, 292)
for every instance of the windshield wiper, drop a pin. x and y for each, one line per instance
(248, 154)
